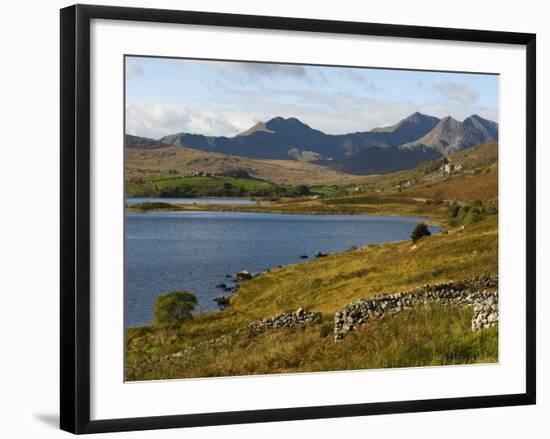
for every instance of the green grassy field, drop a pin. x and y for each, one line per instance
(170, 185)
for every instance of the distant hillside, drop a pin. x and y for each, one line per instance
(377, 160)
(404, 145)
(135, 142)
(178, 160)
(476, 158)
(473, 174)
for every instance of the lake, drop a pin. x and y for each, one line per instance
(196, 250)
(206, 200)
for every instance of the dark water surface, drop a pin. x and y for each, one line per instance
(195, 250)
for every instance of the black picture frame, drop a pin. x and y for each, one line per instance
(75, 217)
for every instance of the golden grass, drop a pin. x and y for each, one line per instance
(324, 284)
(427, 336)
(421, 337)
(466, 187)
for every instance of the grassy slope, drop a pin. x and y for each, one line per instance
(464, 187)
(327, 284)
(419, 337)
(422, 337)
(141, 163)
(474, 161)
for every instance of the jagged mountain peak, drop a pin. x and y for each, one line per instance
(290, 123)
(416, 119)
(417, 115)
(451, 135)
(278, 124)
(474, 118)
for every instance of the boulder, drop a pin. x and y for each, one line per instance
(222, 300)
(243, 275)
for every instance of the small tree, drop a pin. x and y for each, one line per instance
(420, 231)
(174, 307)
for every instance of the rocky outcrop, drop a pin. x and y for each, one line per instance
(480, 293)
(295, 319)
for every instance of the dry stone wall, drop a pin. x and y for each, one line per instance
(481, 293)
(294, 319)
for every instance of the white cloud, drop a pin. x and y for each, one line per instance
(330, 111)
(256, 74)
(457, 92)
(159, 119)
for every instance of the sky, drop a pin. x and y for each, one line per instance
(223, 98)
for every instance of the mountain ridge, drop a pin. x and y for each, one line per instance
(451, 135)
(391, 148)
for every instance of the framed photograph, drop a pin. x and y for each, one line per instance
(268, 218)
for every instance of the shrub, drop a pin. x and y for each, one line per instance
(477, 203)
(420, 231)
(469, 213)
(174, 307)
(492, 209)
(474, 215)
(302, 190)
(452, 210)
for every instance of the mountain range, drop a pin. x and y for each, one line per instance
(416, 138)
